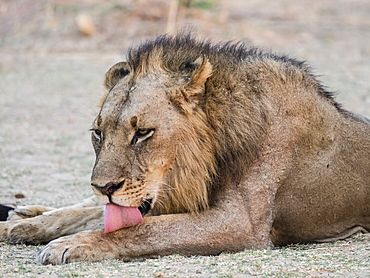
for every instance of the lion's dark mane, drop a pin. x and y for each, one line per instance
(234, 98)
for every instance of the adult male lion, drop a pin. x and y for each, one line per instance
(224, 147)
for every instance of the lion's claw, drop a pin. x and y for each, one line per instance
(54, 254)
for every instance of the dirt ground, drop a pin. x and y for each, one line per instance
(53, 58)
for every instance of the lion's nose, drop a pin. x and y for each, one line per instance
(109, 188)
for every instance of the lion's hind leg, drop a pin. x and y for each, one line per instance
(346, 234)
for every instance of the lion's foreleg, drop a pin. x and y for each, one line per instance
(22, 212)
(43, 228)
(227, 228)
(159, 235)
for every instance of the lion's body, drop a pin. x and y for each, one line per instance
(329, 190)
(231, 148)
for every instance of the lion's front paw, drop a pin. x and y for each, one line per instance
(25, 232)
(21, 231)
(62, 251)
(4, 228)
(22, 212)
(83, 246)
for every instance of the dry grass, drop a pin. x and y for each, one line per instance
(348, 258)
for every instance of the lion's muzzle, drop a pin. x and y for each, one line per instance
(120, 216)
(109, 188)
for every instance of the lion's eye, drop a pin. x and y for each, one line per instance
(97, 134)
(143, 131)
(141, 135)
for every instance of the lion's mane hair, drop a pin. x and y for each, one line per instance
(230, 118)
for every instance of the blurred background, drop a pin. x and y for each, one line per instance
(53, 56)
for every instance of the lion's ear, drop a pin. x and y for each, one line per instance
(196, 74)
(115, 73)
(198, 71)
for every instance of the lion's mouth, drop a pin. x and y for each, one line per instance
(145, 206)
(117, 217)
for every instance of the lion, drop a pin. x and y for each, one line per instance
(206, 148)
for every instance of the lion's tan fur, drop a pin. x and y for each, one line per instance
(232, 147)
(221, 135)
(188, 185)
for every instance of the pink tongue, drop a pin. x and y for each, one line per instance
(117, 217)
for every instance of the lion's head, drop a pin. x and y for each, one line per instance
(166, 133)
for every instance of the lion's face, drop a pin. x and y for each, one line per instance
(137, 136)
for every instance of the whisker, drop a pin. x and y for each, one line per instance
(161, 182)
(159, 203)
(154, 191)
(91, 111)
(87, 112)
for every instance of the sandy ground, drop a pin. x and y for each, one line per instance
(50, 81)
